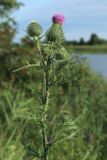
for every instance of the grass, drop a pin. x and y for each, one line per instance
(84, 97)
(88, 48)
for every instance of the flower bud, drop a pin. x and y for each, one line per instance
(58, 19)
(55, 34)
(34, 29)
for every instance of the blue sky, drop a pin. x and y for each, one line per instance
(83, 17)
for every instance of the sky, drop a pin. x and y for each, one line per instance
(82, 17)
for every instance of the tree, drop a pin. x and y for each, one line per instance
(6, 6)
(7, 33)
(81, 42)
(94, 39)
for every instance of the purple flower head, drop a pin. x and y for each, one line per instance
(59, 19)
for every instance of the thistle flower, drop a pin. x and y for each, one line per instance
(55, 33)
(34, 29)
(59, 19)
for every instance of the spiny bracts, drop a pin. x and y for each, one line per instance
(34, 29)
(55, 34)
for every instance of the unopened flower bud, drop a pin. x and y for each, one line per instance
(34, 29)
(55, 34)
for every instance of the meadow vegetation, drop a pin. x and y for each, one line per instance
(95, 44)
(96, 49)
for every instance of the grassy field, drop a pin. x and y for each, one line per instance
(89, 48)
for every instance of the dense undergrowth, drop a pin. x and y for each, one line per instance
(83, 96)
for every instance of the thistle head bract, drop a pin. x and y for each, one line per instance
(34, 29)
(55, 34)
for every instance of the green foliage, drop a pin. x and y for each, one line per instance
(82, 42)
(10, 127)
(6, 29)
(82, 102)
(72, 113)
(95, 43)
(7, 33)
(7, 5)
(94, 39)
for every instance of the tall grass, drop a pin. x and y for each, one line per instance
(84, 97)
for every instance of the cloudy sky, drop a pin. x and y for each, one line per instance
(83, 17)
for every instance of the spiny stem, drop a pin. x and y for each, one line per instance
(45, 105)
(27, 66)
(39, 51)
(45, 94)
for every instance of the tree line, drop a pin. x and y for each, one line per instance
(93, 40)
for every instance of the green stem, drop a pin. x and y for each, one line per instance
(45, 105)
(46, 85)
(45, 94)
(39, 51)
(27, 66)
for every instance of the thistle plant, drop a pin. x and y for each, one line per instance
(52, 60)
